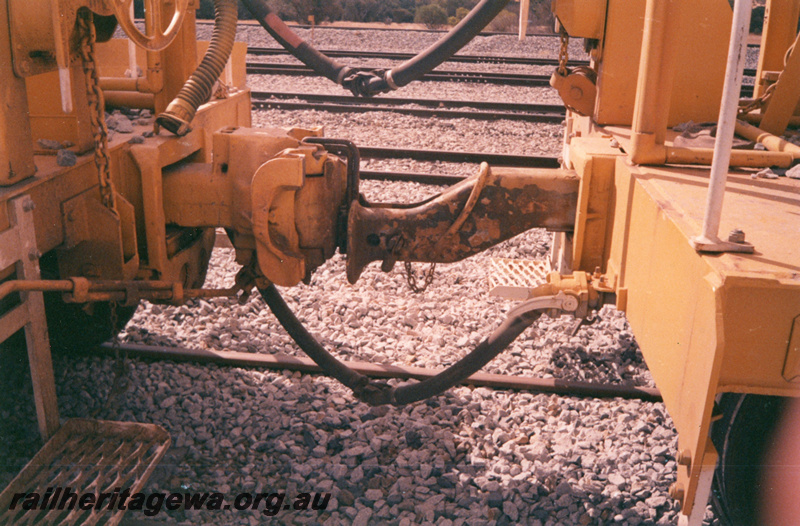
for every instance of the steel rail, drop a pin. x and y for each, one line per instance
(361, 107)
(467, 59)
(391, 55)
(388, 28)
(306, 365)
(496, 159)
(429, 103)
(510, 79)
(411, 177)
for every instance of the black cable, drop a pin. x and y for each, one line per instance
(302, 50)
(414, 68)
(379, 393)
(365, 82)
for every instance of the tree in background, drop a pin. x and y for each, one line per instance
(300, 10)
(431, 15)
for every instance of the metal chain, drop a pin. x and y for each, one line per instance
(563, 52)
(411, 277)
(757, 104)
(97, 105)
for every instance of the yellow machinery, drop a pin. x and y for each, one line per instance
(98, 221)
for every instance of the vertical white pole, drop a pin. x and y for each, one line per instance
(737, 52)
(524, 7)
(133, 68)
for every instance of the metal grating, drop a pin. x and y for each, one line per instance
(513, 278)
(87, 456)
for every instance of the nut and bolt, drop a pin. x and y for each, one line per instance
(736, 236)
(677, 492)
(33, 255)
(28, 205)
(684, 457)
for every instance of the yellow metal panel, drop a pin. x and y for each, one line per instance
(696, 39)
(619, 66)
(593, 159)
(581, 18)
(672, 307)
(780, 25)
(48, 121)
(707, 324)
(759, 315)
(16, 151)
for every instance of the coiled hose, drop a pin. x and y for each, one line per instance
(178, 116)
(379, 393)
(364, 82)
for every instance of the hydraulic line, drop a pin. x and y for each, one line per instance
(410, 70)
(178, 116)
(302, 50)
(365, 82)
(379, 393)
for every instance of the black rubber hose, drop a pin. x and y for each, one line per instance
(379, 393)
(470, 364)
(367, 83)
(309, 344)
(413, 69)
(303, 51)
(178, 116)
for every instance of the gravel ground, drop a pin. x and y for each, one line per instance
(469, 456)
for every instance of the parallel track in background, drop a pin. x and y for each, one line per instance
(388, 55)
(487, 77)
(453, 109)
(468, 59)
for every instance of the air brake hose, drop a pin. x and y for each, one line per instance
(367, 83)
(289, 40)
(178, 116)
(413, 69)
(380, 393)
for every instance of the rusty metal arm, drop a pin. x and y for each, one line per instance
(82, 290)
(466, 219)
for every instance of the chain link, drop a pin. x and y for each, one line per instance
(96, 103)
(760, 102)
(411, 277)
(563, 52)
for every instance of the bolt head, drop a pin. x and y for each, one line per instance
(736, 236)
(677, 492)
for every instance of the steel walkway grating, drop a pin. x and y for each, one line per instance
(86, 456)
(513, 278)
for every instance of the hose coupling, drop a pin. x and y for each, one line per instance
(177, 117)
(366, 83)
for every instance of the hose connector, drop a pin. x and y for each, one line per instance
(178, 116)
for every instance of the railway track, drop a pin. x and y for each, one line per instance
(389, 55)
(495, 159)
(282, 361)
(487, 77)
(467, 59)
(549, 113)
